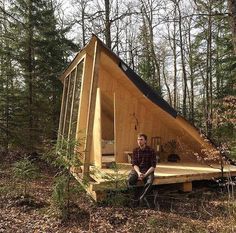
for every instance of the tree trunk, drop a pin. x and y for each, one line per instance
(191, 116)
(232, 19)
(83, 25)
(182, 62)
(7, 111)
(148, 16)
(5, 65)
(166, 84)
(175, 62)
(107, 24)
(172, 42)
(209, 76)
(30, 72)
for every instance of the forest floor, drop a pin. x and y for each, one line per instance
(203, 210)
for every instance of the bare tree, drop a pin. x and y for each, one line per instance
(190, 54)
(172, 41)
(82, 17)
(164, 68)
(107, 23)
(182, 54)
(149, 9)
(209, 72)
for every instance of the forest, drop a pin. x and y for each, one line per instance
(185, 50)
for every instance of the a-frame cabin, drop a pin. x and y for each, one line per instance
(106, 104)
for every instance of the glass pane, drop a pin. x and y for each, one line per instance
(72, 90)
(74, 117)
(62, 119)
(68, 108)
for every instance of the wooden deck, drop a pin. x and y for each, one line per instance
(165, 173)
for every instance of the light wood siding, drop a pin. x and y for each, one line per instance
(107, 115)
(124, 111)
(96, 151)
(135, 113)
(91, 107)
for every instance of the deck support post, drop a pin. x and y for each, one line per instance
(187, 186)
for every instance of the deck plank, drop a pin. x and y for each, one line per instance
(165, 173)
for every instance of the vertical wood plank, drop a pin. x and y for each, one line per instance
(96, 154)
(91, 108)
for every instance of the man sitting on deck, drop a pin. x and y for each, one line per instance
(144, 163)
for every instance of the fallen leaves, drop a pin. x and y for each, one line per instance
(204, 212)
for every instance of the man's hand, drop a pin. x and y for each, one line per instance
(150, 170)
(141, 176)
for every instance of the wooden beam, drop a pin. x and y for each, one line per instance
(187, 187)
(91, 108)
(98, 195)
(115, 126)
(97, 134)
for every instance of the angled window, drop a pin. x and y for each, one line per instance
(76, 100)
(70, 104)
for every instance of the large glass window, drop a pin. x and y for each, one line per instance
(70, 103)
(63, 108)
(76, 101)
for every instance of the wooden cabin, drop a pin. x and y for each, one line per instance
(105, 104)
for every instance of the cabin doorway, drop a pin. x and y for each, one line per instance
(107, 128)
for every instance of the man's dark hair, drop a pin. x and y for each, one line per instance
(143, 135)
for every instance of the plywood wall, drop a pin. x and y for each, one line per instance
(107, 115)
(134, 113)
(96, 150)
(131, 116)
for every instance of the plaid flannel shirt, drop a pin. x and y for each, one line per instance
(144, 158)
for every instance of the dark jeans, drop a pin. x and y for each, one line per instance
(133, 179)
